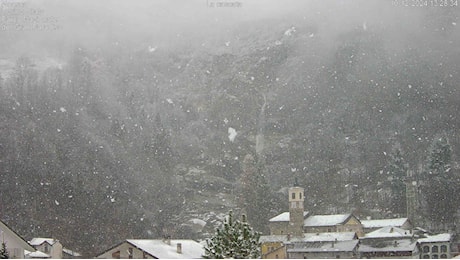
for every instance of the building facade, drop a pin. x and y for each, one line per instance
(49, 246)
(154, 249)
(333, 223)
(437, 246)
(15, 244)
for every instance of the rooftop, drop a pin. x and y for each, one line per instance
(70, 252)
(340, 246)
(378, 223)
(36, 254)
(284, 217)
(160, 249)
(36, 241)
(325, 220)
(389, 232)
(391, 245)
(311, 237)
(444, 237)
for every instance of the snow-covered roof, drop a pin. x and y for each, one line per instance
(284, 217)
(378, 223)
(444, 237)
(36, 241)
(160, 249)
(391, 245)
(11, 234)
(70, 252)
(279, 238)
(329, 236)
(340, 246)
(325, 220)
(311, 237)
(36, 254)
(389, 232)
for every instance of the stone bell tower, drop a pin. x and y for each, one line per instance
(296, 210)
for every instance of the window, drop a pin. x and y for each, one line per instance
(130, 253)
(116, 255)
(434, 256)
(293, 196)
(426, 249)
(300, 195)
(46, 248)
(443, 249)
(434, 249)
(293, 205)
(443, 256)
(426, 257)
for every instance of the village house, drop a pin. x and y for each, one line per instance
(278, 225)
(323, 249)
(333, 223)
(275, 246)
(389, 242)
(297, 221)
(436, 246)
(49, 246)
(154, 249)
(374, 224)
(298, 234)
(52, 247)
(399, 249)
(15, 244)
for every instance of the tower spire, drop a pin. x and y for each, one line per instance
(296, 183)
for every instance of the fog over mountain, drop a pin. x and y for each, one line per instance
(145, 119)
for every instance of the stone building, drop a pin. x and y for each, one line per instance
(436, 246)
(290, 222)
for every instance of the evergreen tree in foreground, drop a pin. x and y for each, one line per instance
(234, 239)
(3, 253)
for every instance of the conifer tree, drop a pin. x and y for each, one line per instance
(234, 239)
(397, 171)
(3, 252)
(439, 186)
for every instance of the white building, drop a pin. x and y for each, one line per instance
(154, 248)
(49, 246)
(436, 246)
(15, 244)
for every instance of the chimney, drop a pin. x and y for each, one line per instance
(167, 240)
(288, 237)
(179, 248)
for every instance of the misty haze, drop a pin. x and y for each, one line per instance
(155, 120)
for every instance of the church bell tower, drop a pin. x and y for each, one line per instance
(296, 210)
